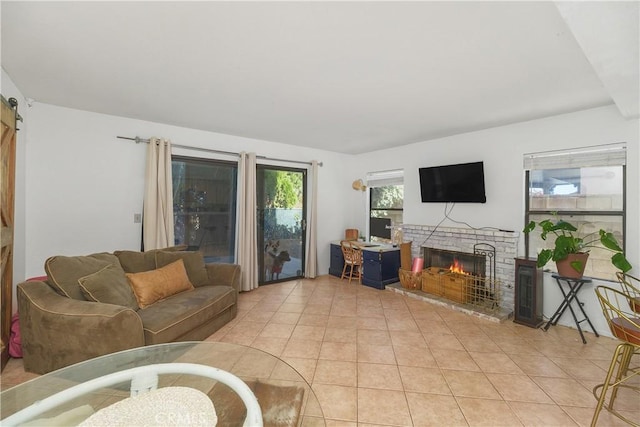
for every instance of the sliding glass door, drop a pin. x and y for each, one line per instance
(204, 206)
(281, 213)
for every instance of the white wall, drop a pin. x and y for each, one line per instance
(502, 150)
(9, 90)
(84, 185)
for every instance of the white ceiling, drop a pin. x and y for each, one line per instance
(349, 77)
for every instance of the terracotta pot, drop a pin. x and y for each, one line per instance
(565, 269)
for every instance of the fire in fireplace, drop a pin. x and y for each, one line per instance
(467, 278)
(458, 262)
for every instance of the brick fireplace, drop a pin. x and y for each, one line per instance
(440, 246)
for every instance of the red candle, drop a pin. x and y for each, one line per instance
(418, 263)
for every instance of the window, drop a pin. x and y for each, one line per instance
(204, 206)
(386, 195)
(587, 188)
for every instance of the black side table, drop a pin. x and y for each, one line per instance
(571, 295)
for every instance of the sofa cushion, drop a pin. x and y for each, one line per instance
(63, 272)
(193, 263)
(152, 286)
(137, 262)
(172, 318)
(109, 285)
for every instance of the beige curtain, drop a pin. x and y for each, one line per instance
(157, 223)
(311, 263)
(247, 248)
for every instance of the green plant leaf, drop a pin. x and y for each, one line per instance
(546, 224)
(529, 227)
(562, 225)
(577, 266)
(547, 227)
(609, 242)
(621, 262)
(543, 257)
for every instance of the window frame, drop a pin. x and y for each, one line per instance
(583, 158)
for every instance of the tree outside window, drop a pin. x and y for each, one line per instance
(386, 211)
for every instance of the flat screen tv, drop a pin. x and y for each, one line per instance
(463, 182)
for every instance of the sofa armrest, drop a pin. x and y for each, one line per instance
(58, 331)
(224, 274)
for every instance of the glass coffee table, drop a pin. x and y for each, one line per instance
(283, 395)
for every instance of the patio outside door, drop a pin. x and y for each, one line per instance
(282, 223)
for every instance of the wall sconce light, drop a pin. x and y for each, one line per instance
(358, 185)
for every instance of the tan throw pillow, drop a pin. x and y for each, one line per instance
(152, 286)
(63, 272)
(193, 263)
(137, 262)
(110, 286)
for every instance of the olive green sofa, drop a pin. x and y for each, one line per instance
(89, 306)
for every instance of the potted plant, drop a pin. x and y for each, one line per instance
(570, 251)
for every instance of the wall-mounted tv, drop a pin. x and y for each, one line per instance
(462, 182)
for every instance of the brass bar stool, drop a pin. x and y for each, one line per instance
(625, 326)
(631, 287)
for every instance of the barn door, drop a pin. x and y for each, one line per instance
(7, 188)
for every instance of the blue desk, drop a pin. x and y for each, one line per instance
(380, 264)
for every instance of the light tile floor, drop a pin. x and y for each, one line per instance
(378, 358)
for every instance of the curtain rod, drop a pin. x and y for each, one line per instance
(139, 140)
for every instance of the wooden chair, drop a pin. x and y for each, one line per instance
(631, 287)
(352, 255)
(625, 326)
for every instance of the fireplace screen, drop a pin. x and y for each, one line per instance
(467, 278)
